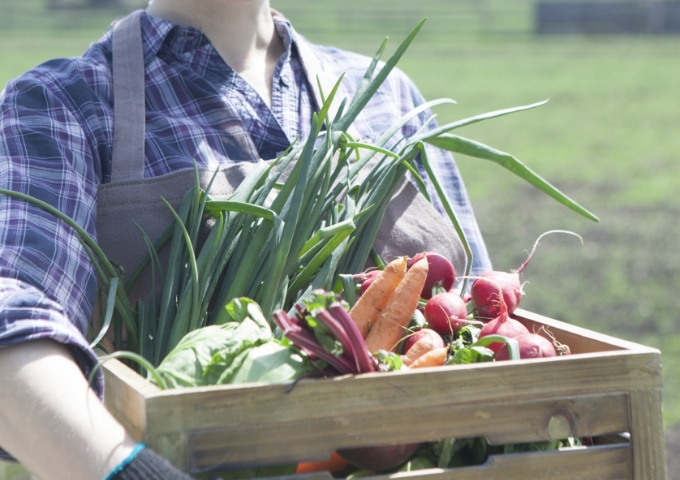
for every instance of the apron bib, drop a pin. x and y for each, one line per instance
(410, 225)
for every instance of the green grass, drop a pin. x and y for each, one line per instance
(608, 137)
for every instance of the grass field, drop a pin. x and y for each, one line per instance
(608, 137)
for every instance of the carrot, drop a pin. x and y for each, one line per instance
(433, 358)
(425, 344)
(373, 301)
(395, 317)
(335, 464)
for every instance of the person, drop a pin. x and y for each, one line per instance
(224, 81)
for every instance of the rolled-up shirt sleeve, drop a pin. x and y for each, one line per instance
(47, 281)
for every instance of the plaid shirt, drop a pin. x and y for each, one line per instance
(56, 128)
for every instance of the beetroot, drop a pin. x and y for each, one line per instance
(485, 290)
(531, 345)
(378, 459)
(440, 272)
(446, 313)
(423, 332)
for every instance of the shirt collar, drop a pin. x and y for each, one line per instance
(159, 33)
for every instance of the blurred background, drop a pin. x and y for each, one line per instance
(609, 137)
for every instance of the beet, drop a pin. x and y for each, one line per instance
(446, 313)
(440, 272)
(531, 345)
(379, 459)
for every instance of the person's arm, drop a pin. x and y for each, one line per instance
(50, 419)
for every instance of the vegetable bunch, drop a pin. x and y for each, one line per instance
(322, 222)
(323, 329)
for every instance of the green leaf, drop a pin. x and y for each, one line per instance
(424, 137)
(108, 315)
(214, 354)
(349, 287)
(454, 143)
(360, 101)
(240, 207)
(513, 346)
(271, 363)
(471, 355)
(389, 361)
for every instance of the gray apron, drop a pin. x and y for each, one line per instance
(410, 225)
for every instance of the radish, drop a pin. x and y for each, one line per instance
(366, 279)
(424, 332)
(531, 345)
(446, 313)
(502, 325)
(466, 296)
(440, 272)
(485, 294)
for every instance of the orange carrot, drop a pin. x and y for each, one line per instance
(395, 317)
(433, 358)
(421, 347)
(335, 464)
(373, 301)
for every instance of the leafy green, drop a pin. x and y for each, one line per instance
(471, 355)
(389, 361)
(270, 363)
(238, 351)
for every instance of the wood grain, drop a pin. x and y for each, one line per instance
(647, 435)
(501, 423)
(125, 397)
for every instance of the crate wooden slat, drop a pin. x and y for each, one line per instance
(607, 386)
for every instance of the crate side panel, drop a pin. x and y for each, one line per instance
(124, 397)
(395, 393)
(647, 435)
(599, 463)
(579, 340)
(504, 423)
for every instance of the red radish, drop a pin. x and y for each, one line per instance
(485, 294)
(502, 325)
(423, 332)
(531, 345)
(466, 298)
(440, 272)
(446, 313)
(367, 278)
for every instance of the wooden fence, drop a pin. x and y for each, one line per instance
(607, 18)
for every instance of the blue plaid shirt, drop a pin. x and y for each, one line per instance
(56, 128)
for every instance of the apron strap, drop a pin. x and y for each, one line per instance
(129, 100)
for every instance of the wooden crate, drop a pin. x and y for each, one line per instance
(607, 386)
